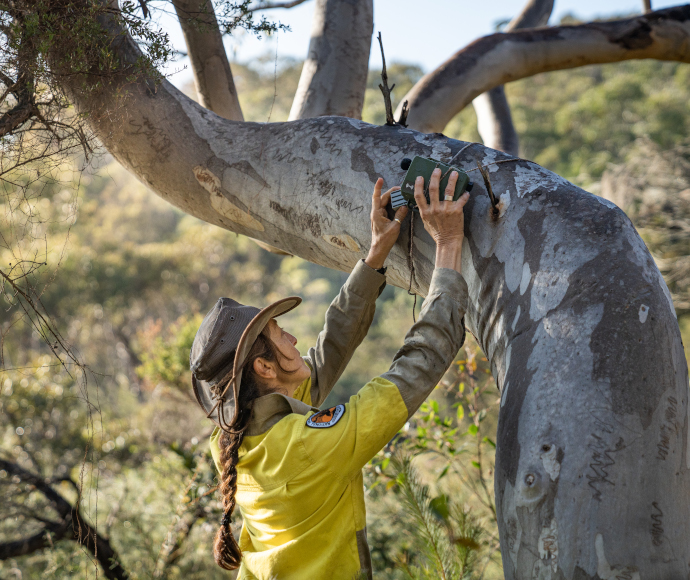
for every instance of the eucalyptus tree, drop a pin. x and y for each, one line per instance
(593, 457)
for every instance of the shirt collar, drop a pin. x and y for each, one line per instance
(271, 408)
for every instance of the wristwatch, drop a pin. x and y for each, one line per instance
(379, 270)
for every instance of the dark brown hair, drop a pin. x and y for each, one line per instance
(225, 548)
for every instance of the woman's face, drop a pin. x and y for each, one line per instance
(291, 361)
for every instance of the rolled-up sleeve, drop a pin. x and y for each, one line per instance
(433, 341)
(347, 322)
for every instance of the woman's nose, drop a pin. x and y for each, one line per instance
(293, 340)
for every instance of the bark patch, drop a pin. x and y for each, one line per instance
(361, 162)
(342, 242)
(221, 204)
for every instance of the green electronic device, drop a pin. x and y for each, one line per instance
(424, 167)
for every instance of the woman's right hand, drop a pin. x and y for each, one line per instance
(444, 220)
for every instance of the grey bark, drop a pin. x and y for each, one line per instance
(504, 57)
(334, 76)
(494, 121)
(212, 73)
(593, 458)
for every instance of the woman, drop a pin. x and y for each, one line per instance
(295, 471)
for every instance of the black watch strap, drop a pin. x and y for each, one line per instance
(379, 270)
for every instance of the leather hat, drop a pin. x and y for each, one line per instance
(216, 376)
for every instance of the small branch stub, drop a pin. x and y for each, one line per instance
(489, 189)
(386, 90)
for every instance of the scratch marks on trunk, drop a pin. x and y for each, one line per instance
(668, 428)
(657, 529)
(605, 571)
(303, 220)
(601, 463)
(342, 242)
(221, 204)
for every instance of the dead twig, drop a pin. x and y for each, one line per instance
(386, 90)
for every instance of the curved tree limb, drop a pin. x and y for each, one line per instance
(212, 73)
(334, 76)
(564, 299)
(271, 5)
(494, 121)
(504, 57)
(71, 520)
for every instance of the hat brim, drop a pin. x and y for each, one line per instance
(249, 336)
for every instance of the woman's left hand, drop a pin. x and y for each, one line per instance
(384, 232)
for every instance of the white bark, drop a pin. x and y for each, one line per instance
(593, 460)
(494, 121)
(334, 76)
(212, 74)
(501, 58)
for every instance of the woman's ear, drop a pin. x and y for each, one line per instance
(264, 369)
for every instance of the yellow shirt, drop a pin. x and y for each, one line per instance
(300, 488)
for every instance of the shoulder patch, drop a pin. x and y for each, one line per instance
(326, 418)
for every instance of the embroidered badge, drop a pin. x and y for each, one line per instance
(326, 418)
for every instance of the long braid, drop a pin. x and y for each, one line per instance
(226, 550)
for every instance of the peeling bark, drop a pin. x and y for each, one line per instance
(212, 74)
(504, 57)
(334, 77)
(494, 121)
(592, 465)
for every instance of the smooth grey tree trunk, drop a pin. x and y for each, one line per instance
(212, 73)
(592, 465)
(504, 57)
(494, 121)
(334, 76)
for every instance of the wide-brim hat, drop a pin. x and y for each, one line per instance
(216, 376)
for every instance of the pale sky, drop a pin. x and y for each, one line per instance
(423, 32)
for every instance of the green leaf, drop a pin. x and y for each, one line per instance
(476, 464)
(490, 442)
(439, 506)
(387, 460)
(472, 429)
(461, 412)
(434, 406)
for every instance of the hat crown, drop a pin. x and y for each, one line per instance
(217, 339)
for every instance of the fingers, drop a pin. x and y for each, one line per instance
(386, 197)
(376, 196)
(434, 187)
(450, 188)
(463, 199)
(400, 214)
(419, 193)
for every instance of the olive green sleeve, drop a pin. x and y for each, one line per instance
(347, 322)
(433, 341)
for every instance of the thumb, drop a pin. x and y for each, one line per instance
(401, 212)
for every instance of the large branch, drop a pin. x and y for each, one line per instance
(71, 520)
(334, 76)
(212, 74)
(494, 121)
(504, 57)
(564, 299)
